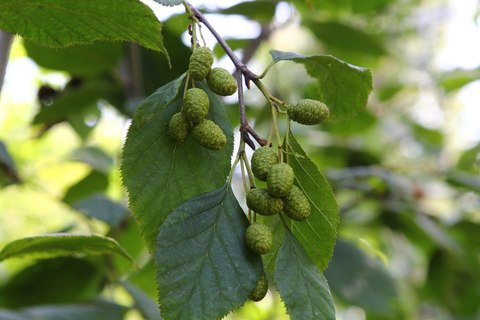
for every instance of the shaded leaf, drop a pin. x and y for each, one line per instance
(204, 268)
(61, 23)
(61, 244)
(92, 183)
(321, 226)
(78, 59)
(100, 310)
(367, 284)
(344, 88)
(95, 157)
(302, 287)
(259, 10)
(345, 37)
(158, 173)
(100, 207)
(464, 180)
(8, 171)
(60, 280)
(147, 306)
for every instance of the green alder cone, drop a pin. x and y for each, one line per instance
(260, 201)
(200, 64)
(178, 127)
(195, 105)
(221, 82)
(209, 135)
(308, 111)
(280, 180)
(259, 238)
(296, 205)
(260, 290)
(262, 160)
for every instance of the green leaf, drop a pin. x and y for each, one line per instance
(61, 23)
(61, 244)
(345, 37)
(260, 10)
(344, 88)
(204, 268)
(464, 179)
(100, 310)
(100, 207)
(60, 280)
(160, 174)
(95, 157)
(169, 3)
(367, 284)
(302, 287)
(78, 59)
(93, 183)
(76, 100)
(321, 226)
(146, 305)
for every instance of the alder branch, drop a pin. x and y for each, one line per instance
(5, 45)
(241, 71)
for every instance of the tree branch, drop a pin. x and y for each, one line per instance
(5, 45)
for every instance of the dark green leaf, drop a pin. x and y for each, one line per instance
(360, 280)
(204, 268)
(160, 174)
(344, 88)
(95, 157)
(342, 36)
(78, 59)
(93, 183)
(61, 244)
(146, 305)
(100, 310)
(61, 23)
(60, 280)
(302, 287)
(321, 226)
(100, 207)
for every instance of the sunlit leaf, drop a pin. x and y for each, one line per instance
(61, 244)
(61, 23)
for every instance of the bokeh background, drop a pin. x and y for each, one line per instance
(405, 172)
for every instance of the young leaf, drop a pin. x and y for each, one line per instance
(302, 287)
(61, 244)
(204, 268)
(160, 174)
(344, 88)
(318, 232)
(61, 23)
